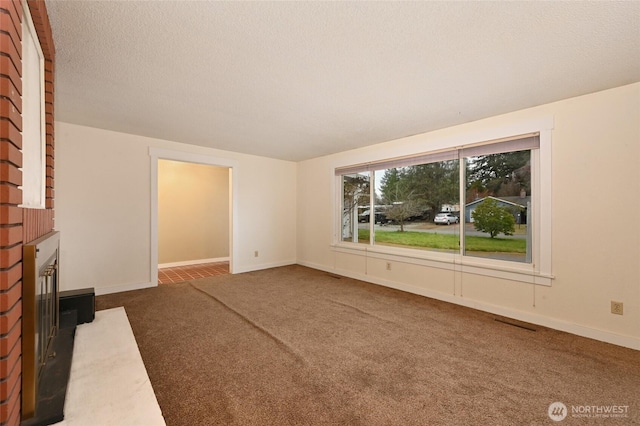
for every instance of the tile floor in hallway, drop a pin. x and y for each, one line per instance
(178, 274)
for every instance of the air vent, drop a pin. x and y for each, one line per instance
(516, 324)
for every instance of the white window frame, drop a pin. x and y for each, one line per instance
(538, 272)
(33, 117)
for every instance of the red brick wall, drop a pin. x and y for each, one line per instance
(17, 225)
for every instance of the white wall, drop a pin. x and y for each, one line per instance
(595, 225)
(103, 208)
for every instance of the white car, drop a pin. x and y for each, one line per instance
(446, 218)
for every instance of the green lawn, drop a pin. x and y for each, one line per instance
(446, 241)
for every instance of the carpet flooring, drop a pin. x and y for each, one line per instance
(297, 346)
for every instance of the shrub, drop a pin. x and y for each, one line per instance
(490, 218)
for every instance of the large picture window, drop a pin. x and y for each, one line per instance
(476, 201)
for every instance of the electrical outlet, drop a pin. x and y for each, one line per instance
(255, 253)
(617, 308)
(388, 266)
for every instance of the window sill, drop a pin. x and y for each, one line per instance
(450, 261)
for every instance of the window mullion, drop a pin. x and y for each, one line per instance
(462, 165)
(372, 207)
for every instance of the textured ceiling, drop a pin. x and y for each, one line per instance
(297, 80)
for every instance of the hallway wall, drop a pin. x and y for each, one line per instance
(193, 212)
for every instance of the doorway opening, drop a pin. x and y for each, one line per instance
(192, 208)
(193, 220)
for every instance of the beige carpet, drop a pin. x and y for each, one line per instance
(298, 346)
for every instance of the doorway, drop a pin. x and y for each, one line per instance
(196, 249)
(193, 220)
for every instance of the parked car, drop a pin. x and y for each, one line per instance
(365, 216)
(446, 218)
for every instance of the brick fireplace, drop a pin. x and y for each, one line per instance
(18, 225)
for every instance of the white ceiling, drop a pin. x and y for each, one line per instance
(297, 80)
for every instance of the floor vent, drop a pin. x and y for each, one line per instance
(516, 324)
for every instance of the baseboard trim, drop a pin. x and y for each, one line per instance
(560, 325)
(138, 286)
(262, 266)
(193, 262)
(123, 287)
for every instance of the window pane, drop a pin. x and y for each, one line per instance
(408, 200)
(33, 129)
(498, 205)
(355, 207)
